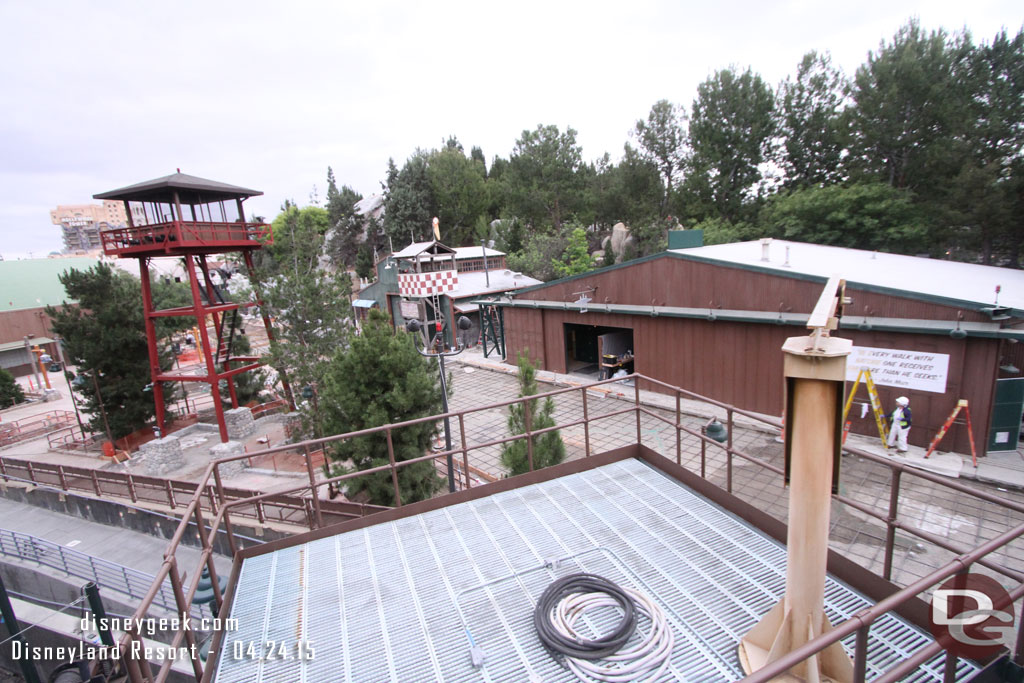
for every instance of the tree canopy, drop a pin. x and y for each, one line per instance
(378, 379)
(105, 336)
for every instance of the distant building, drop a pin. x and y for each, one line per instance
(712, 319)
(405, 278)
(29, 286)
(81, 223)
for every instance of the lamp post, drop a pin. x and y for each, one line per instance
(79, 382)
(436, 350)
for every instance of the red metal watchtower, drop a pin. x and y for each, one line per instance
(214, 224)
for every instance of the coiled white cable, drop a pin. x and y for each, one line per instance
(648, 658)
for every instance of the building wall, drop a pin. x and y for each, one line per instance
(677, 281)
(741, 363)
(14, 327)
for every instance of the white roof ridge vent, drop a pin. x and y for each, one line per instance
(766, 243)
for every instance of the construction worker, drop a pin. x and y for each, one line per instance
(900, 425)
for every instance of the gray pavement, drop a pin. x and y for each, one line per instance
(959, 518)
(129, 548)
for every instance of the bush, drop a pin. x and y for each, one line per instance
(548, 448)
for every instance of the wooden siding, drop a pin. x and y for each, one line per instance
(672, 281)
(741, 363)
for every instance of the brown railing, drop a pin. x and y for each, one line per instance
(34, 426)
(174, 493)
(212, 497)
(176, 234)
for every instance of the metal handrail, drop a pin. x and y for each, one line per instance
(224, 507)
(106, 574)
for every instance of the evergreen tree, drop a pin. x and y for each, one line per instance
(309, 331)
(731, 129)
(345, 225)
(105, 334)
(10, 391)
(380, 379)
(548, 448)
(811, 121)
(248, 385)
(662, 138)
(365, 264)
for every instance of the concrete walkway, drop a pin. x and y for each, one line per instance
(131, 549)
(999, 469)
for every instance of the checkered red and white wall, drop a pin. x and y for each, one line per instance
(427, 284)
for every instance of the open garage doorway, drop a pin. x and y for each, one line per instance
(597, 351)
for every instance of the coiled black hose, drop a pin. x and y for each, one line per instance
(583, 648)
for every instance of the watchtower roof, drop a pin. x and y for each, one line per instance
(190, 190)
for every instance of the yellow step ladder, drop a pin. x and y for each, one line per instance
(876, 404)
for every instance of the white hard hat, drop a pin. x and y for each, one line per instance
(903, 401)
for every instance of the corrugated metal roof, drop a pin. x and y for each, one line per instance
(394, 601)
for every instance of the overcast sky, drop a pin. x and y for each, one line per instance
(267, 95)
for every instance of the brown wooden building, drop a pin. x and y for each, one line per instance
(712, 320)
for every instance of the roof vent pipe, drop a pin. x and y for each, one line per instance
(766, 244)
(786, 264)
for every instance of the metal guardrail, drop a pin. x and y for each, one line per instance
(34, 426)
(211, 486)
(175, 493)
(104, 573)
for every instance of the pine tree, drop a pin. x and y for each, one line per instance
(548, 448)
(105, 334)
(10, 391)
(379, 379)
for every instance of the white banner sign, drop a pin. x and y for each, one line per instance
(905, 369)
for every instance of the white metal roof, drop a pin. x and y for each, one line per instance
(400, 600)
(475, 252)
(932, 277)
(475, 283)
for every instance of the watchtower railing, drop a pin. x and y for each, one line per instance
(172, 235)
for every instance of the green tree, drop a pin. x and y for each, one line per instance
(309, 332)
(548, 448)
(248, 385)
(543, 181)
(811, 122)
(731, 129)
(863, 215)
(987, 194)
(459, 190)
(409, 203)
(345, 225)
(105, 334)
(576, 257)
(630, 192)
(909, 102)
(365, 264)
(380, 379)
(539, 253)
(662, 138)
(10, 391)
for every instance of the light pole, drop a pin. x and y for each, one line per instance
(436, 350)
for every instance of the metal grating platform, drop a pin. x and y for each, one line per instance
(393, 602)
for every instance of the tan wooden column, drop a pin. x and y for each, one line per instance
(815, 371)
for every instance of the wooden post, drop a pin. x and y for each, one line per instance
(815, 370)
